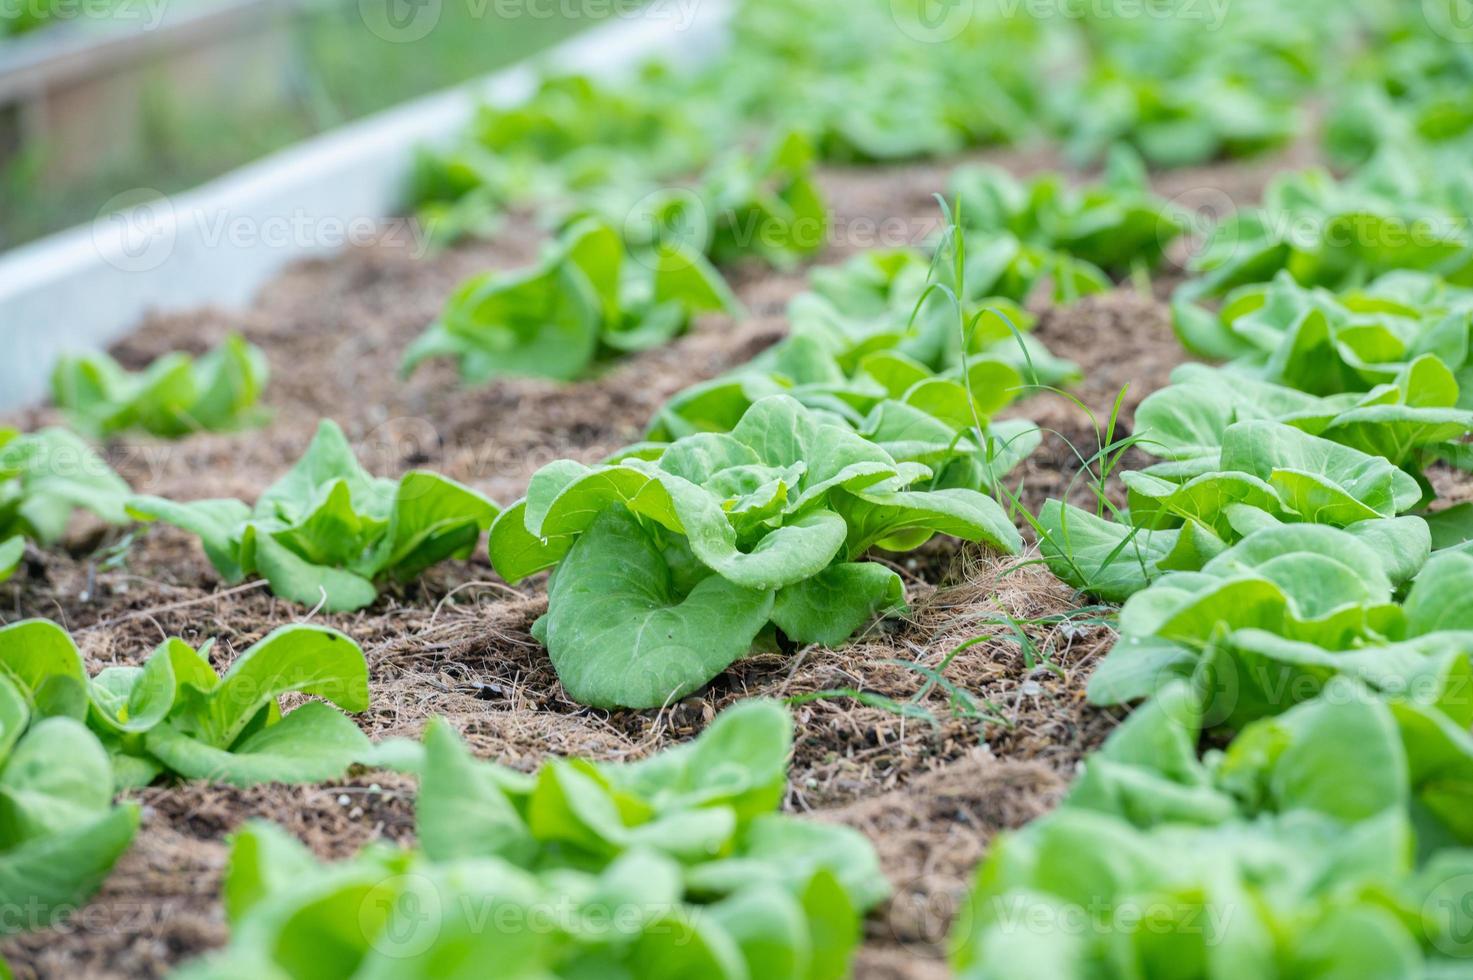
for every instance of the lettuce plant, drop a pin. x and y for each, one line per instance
(1240, 455)
(1325, 343)
(176, 714)
(590, 298)
(1153, 83)
(573, 137)
(1322, 586)
(900, 300)
(866, 83)
(765, 206)
(1287, 610)
(173, 396)
(327, 532)
(1173, 122)
(902, 382)
(59, 830)
(886, 342)
(1337, 235)
(1044, 228)
(678, 865)
(672, 560)
(1407, 421)
(44, 477)
(897, 403)
(1326, 841)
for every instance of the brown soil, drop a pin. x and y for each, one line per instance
(930, 790)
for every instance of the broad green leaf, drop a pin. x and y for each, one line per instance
(619, 636)
(1324, 482)
(769, 928)
(1441, 597)
(468, 808)
(1343, 758)
(15, 716)
(328, 461)
(777, 848)
(433, 518)
(297, 579)
(570, 805)
(900, 521)
(135, 699)
(12, 550)
(55, 779)
(739, 761)
(217, 523)
(438, 926)
(307, 659)
(264, 861)
(828, 607)
(1109, 560)
(44, 663)
(54, 874)
(1452, 527)
(311, 744)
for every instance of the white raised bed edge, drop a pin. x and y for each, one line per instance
(86, 287)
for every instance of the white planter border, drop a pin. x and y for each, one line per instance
(89, 286)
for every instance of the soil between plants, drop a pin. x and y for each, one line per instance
(930, 786)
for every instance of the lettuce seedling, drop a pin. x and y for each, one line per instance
(1043, 228)
(172, 397)
(44, 477)
(671, 560)
(1180, 121)
(590, 298)
(679, 865)
(878, 343)
(1326, 343)
(175, 714)
(766, 206)
(330, 533)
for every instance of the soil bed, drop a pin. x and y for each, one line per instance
(930, 789)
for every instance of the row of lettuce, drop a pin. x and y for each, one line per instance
(747, 513)
(675, 866)
(1180, 82)
(1295, 599)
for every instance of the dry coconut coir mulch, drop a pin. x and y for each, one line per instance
(930, 775)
